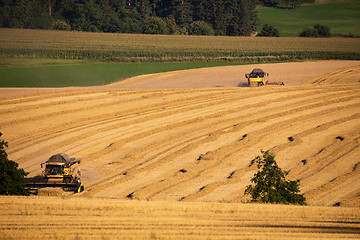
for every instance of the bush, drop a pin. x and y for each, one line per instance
(155, 25)
(11, 177)
(322, 30)
(269, 31)
(201, 28)
(61, 25)
(317, 31)
(93, 28)
(271, 185)
(171, 26)
(309, 32)
(289, 4)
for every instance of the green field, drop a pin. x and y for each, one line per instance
(340, 17)
(74, 73)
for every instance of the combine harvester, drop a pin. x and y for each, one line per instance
(60, 171)
(257, 78)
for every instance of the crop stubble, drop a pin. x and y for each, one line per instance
(82, 218)
(192, 144)
(195, 146)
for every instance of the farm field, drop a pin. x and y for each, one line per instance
(134, 47)
(173, 163)
(169, 155)
(193, 144)
(83, 218)
(39, 58)
(341, 17)
(27, 72)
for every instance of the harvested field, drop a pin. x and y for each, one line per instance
(349, 75)
(190, 151)
(194, 144)
(291, 74)
(82, 218)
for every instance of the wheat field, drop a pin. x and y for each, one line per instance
(173, 163)
(84, 218)
(86, 45)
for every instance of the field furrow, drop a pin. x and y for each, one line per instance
(192, 144)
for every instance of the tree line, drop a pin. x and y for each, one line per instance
(287, 4)
(198, 17)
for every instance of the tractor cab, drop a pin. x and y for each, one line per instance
(61, 166)
(54, 170)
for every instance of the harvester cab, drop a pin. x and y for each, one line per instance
(60, 171)
(61, 166)
(257, 77)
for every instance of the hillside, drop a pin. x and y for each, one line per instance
(340, 16)
(194, 144)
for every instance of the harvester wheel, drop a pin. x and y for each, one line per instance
(80, 187)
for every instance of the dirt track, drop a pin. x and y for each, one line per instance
(194, 144)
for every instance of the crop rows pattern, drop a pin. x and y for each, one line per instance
(193, 144)
(133, 47)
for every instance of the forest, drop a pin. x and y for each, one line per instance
(186, 17)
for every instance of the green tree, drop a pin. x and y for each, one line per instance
(270, 185)
(201, 28)
(269, 31)
(171, 26)
(182, 11)
(11, 177)
(227, 17)
(289, 4)
(155, 25)
(86, 16)
(19, 15)
(322, 30)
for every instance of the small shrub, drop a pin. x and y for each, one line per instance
(309, 32)
(93, 28)
(269, 31)
(317, 31)
(11, 177)
(270, 185)
(322, 30)
(61, 25)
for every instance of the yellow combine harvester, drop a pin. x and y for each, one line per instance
(257, 78)
(60, 171)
